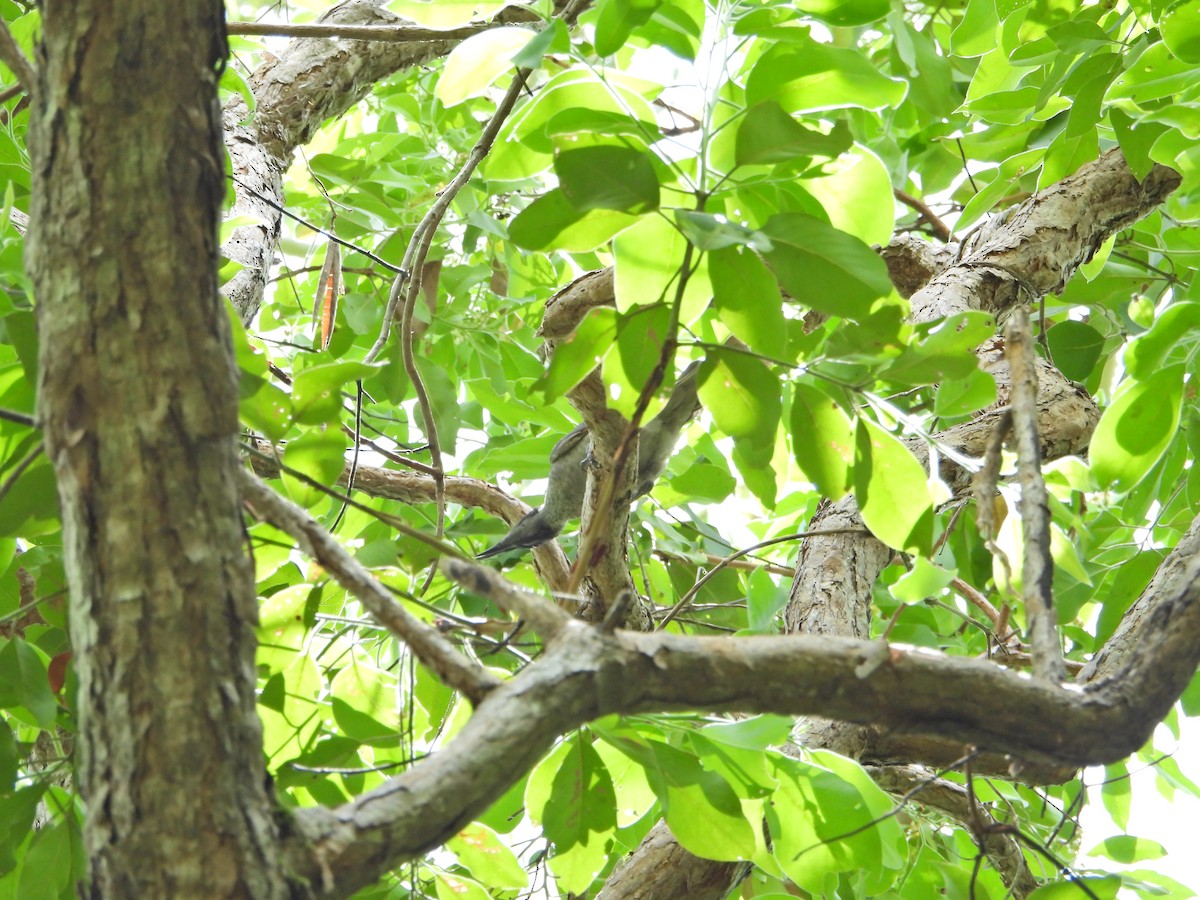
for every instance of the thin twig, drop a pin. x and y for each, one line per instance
(11, 415)
(427, 644)
(738, 554)
(20, 468)
(940, 229)
(13, 57)
(543, 615)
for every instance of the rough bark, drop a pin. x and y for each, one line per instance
(138, 401)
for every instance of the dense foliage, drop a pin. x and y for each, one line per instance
(736, 163)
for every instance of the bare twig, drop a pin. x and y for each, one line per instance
(1037, 568)
(940, 229)
(408, 281)
(11, 415)
(19, 468)
(627, 447)
(687, 598)
(542, 615)
(13, 57)
(429, 646)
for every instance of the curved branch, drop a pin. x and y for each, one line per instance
(589, 673)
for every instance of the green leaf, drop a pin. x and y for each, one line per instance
(569, 122)
(9, 759)
(648, 259)
(523, 147)
(480, 850)
(365, 689)
(756, 733)
(1180, 27)
(976, 32)
(943, 349)
(616, 19)
(822, 825)
(1135, 430)
(634, 794)
(1125, 848)
(845, 13)
(552, 223)
(320, 456)
(1155, 75)
(856, 191)
(577, 355)
(272, 694)
(891, 489)
(445, 14)
(358, 725)
(824, 268)
(51, 866)
(822, 440)
(703, 482)
(764, 601)
(24, 672)
(965, 395)
(619, 178)
(640, 336)
(1147, 352)
(571, 794)
(1008, 175)
(317, 391)
(747, 300)
(1075, 348)
(455, 887)
(701, 808)
(767, 134)
(744, 399)
(807, 76)
(479, 60)
(923, 581)
(1116, 793)
(551, 39)
(1135, 139)
(706, 231)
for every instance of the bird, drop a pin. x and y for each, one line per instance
(568, 475)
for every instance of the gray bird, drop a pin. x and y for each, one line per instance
(568, 476)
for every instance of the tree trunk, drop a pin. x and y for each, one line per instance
(138, 399)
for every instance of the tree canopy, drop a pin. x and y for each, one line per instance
(929, 548)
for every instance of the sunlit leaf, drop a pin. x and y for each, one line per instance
(891, 490)
(822, 440)
(474, 64)
(619, 178)
(1135, 430)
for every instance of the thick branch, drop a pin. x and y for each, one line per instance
(1045, 239)
(588, 673)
